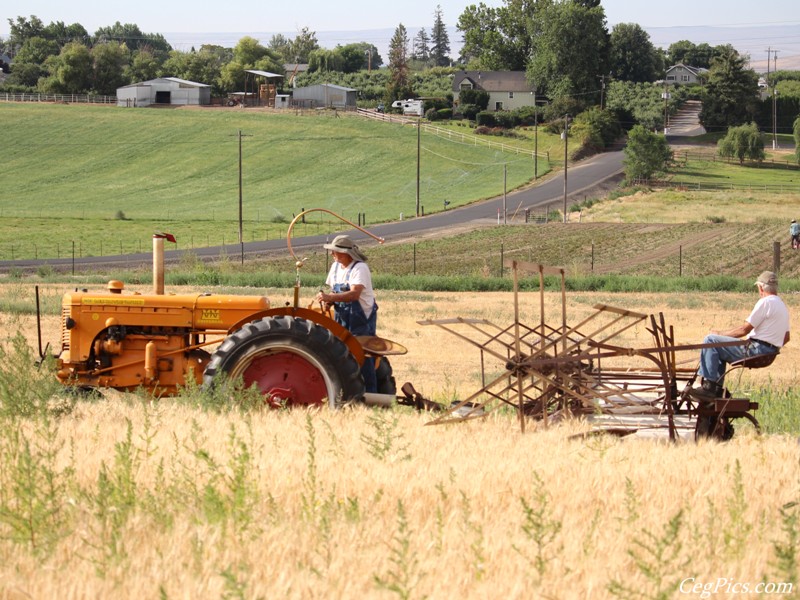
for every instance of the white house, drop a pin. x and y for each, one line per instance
(507, 89)
(164, 90)
(684, 74)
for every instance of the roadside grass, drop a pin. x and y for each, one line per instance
(687, 206)
(550, 145)
(595, 256)
(722, 173)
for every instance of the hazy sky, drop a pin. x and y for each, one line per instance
(163, 16)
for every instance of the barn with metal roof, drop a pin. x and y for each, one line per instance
(164, 91)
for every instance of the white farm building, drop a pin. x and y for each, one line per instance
(164, 90)
(325, 95)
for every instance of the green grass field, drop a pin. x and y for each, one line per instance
(71, 173)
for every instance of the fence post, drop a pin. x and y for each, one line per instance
(776, 257)
(592, 257)
(414, 262)
(680, 261)
(501, 260)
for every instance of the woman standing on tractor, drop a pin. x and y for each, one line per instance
(352, 296)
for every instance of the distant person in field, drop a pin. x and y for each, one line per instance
(352, 296)
(766, 331)
(794, 231)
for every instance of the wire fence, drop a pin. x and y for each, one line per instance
(677, 184)
(471, 139)
(58, 98)
(683, 156)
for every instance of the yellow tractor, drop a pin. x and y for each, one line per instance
(159, 342)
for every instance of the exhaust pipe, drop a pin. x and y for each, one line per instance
(158, 265)
(158, 260)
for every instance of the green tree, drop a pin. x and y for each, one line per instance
(796, 129)
(23, 30)
(440, 41)
(203, 66)
(398, 86)
(596, 128)
(143, 66)
(640, 103)
(248, 54)
(63, 34)
(70, 71)
(694, 55)
(646, 154)
(742, 142)
(301, 47)
(133, 38)
(110, 62)
(29, 63)
(730, 94)
(421, 51)
(280, 44)
(497, 39)
(632, 56)
(354, 57)
(570, 49)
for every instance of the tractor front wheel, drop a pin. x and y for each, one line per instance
(292, 362)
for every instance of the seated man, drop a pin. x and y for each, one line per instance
(766, 329)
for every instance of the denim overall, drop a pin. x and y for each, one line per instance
(351, 315)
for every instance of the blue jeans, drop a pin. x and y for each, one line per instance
(714, 361)
(351, 316)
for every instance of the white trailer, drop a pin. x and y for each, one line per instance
(410, 107)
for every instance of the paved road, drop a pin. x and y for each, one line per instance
(593, 175)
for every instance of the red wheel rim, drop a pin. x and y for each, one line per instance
(287, 378)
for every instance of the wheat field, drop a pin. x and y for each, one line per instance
(128, 497)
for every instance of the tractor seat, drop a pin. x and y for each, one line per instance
(758, 361)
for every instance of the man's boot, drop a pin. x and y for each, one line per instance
(708, 390)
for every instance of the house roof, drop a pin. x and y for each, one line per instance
(694, 70)
(262, 73)
(177, 80)
(328, 85)
(493, 81)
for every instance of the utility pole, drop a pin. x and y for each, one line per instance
(602, 89)
(241, 233)
(566, 137)
(535, 137)
(419, 128)
(775, 105)
(241, 236)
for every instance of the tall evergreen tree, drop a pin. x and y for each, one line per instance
(440, 40)
(421, 46)
(398, 86)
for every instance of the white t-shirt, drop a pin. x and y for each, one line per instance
(770, 320)
(357, 273)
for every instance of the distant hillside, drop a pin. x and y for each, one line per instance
(753, 41)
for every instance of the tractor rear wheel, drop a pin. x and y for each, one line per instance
(292, 361)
